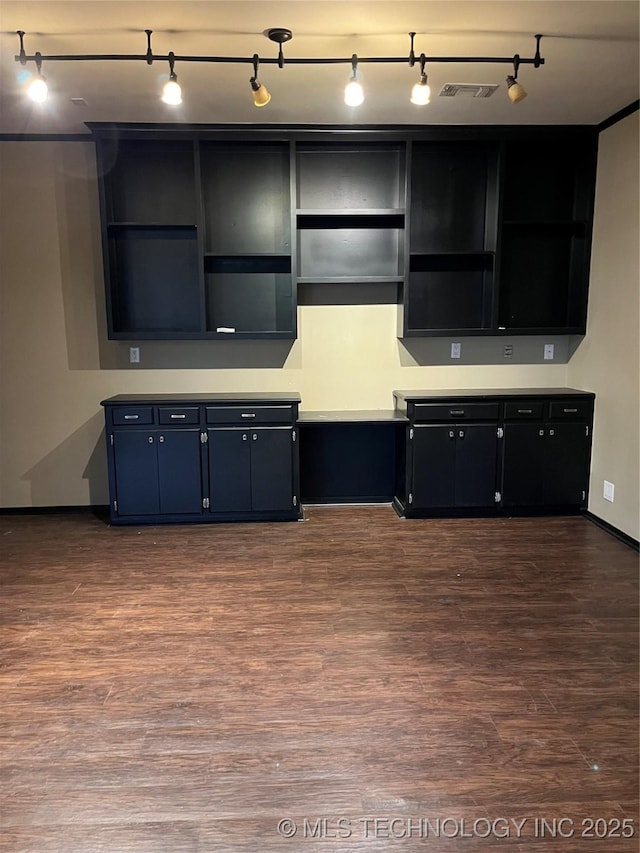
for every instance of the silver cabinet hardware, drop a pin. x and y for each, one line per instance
(244, 436)
(452, 434)
(204, 438)
(500, 432)
(456, 413)
(248, 415)
(178, 417)
(255, 436)
(131, 417)
(525, 411)
(570, 411)
(150, 439)
(161, 439)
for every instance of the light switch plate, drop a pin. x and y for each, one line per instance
(134, 355)
(608, 491)
(456, 349)
(548, 352)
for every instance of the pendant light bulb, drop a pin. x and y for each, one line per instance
(261, 95)
(515, 91)
(38, 90)
(421, 92)
(171, 91)
(353, 92)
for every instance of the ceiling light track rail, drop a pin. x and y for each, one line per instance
(281, 35)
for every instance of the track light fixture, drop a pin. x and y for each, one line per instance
(171, 91)
(261, 96)
(354, 94)
(421, 92)
(515, 91)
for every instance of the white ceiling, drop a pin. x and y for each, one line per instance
(590, 48)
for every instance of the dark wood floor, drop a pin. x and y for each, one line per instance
(380, 682)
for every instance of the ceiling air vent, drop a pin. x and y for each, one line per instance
(468, 90)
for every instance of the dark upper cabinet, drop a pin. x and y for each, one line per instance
(545, 234)
(207, 233)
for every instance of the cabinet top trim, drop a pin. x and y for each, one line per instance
(230, 397)
(490, 393)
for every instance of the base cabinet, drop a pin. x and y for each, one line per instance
(531, 454)
(178, 458)
(453, 465)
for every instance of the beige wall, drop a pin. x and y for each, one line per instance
(608, 359)
(56, 364)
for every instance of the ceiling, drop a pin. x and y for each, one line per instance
(590, 51)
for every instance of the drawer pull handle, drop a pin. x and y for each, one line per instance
(570, 411)
(456, 412)
(178, 417)
(248, 415)
(131, 417)
(524, 411)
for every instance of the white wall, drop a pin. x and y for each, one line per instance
(608, 359)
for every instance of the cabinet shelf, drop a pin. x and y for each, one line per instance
(158, 226)
(350, 279)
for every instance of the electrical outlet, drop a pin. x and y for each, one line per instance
(456, 349)
(134, 355)
(608, 491)
(548, 352)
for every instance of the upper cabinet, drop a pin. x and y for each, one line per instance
(207, 232)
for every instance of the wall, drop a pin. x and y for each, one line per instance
(56, 364)
(608, 359)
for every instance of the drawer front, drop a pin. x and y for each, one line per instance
(176, 416)
(516, 410)
(569, 410)
(428, 412)
(247, 415)
(132, 415)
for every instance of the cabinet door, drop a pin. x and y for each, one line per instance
(523, 464)
(272, 469)
(475, 469)
(229, 470)
(179, 472)
(136, 472)
(566, 468)
(432, 481)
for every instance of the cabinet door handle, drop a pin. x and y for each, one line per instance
(570, 411)
(131, 417)
(244, 436)
(452, 434)
(161, 439)
(456, 413)
(150, 439)
(178, 417)
(541, 432)
(255, 436)
(461, 434)
(552, 432)
(524, 411)
(248, 415)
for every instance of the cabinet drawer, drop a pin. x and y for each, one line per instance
(425, 412)
(133, 415)
(177, 416)
(524, 410)
(248, 415)
(569, 410)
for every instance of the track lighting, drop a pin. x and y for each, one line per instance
(353, 93)
(353, 96)
(171, 91)
(515, 91)
(421, 92)
(261, 96)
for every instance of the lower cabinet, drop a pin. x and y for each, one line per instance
(494, 452)
(176, 459)
(452, 465)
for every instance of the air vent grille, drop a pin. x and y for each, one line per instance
(468, 90)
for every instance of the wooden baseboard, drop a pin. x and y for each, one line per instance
(619, 534)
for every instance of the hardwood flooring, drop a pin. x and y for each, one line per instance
(384, 684)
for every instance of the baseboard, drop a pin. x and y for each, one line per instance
(96, 509)
(623, 537)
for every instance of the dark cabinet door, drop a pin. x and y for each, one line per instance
(179, 471)
(229, 470)
(136, 472)
(567, 462)
(523, 464)
(433, 466)
(475, 473)
(272, 469)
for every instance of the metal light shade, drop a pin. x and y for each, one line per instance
(515, 91)
(261, 96)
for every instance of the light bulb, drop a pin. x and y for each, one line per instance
(172, 93)
(353, 94)
(421, 92)
(38, 90)
(261, 96)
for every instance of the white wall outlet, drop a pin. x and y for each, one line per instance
(456, 349)
(134, 355)
(548, 352)
(608, 491)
